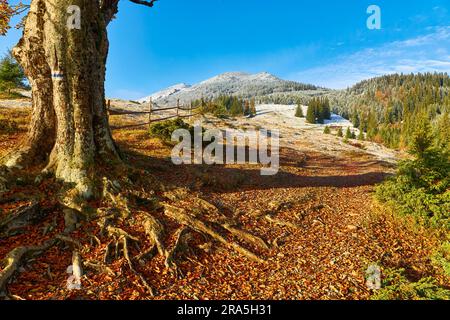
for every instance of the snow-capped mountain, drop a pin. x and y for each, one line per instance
(232, 83)
(163, 94)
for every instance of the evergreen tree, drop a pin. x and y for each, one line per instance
(326, 113)
(443, 132)
(361, 134)
(246, 108)
(236, 108)
(422, 140)
(311, 115)
(327, 130)
(340, 132)
(319, 112)
(348, 133)
(299, 111)
(253, 107)
(11, 74)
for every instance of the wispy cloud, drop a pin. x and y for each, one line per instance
(426, 53)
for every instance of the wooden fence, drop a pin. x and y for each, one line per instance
(152, 110)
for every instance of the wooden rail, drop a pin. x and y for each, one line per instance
(151, 111)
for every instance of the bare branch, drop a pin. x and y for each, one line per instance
(111, 7)
(145, 3)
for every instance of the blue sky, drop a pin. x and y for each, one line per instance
(321, 42)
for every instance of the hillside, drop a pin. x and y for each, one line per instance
(388, 108)
(317, 244)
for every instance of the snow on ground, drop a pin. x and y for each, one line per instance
(296, 132)
(287, 114)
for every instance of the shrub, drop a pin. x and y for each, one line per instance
(441, 258)
(327, 130)
(164, 129)
(421, 187)
(340, 133)
(396, 286)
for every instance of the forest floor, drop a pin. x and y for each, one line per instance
(326, 232)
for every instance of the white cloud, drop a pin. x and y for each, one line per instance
(427, 53)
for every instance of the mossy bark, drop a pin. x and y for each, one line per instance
(66, 69)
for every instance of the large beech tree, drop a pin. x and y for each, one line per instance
(69, 132)
(65, 66)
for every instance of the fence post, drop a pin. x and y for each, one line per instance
(150, 113)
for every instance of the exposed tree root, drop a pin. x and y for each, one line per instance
(181, 245)
(246, 236)
(21, 218)
(19, 256)
(99, 267)
(130, 264)
(279, 222)
(117, 214)
(155, 231)
(188, 220)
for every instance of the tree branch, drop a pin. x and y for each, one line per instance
(111, 7)
(145, 3)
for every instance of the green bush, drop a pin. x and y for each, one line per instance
(396, 286)
(164, 129)
(421, 187)
(441, 258)
(327, 130)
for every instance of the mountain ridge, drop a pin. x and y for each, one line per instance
(245, 85)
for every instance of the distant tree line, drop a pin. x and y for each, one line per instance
(389, 108)
(226, 106)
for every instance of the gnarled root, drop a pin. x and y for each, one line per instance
(246, 236)
(184, 218)
(130, 264)
(21, 218)
(19, 256)
(281, 223)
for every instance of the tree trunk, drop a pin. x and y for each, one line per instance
(30, 54)
(66, 69)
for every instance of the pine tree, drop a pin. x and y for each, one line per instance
(246, 108)
(327, 130)
(348, 133)
(372, 126)
(11, 74)
(311, 115)
(422, 139)
(443, 132)
(319, 112)
(361, 133)
(236, 108)
(299, 111)
(326, 109)
(253, 107)
(340, 132)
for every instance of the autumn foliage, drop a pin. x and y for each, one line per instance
(5, 15)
